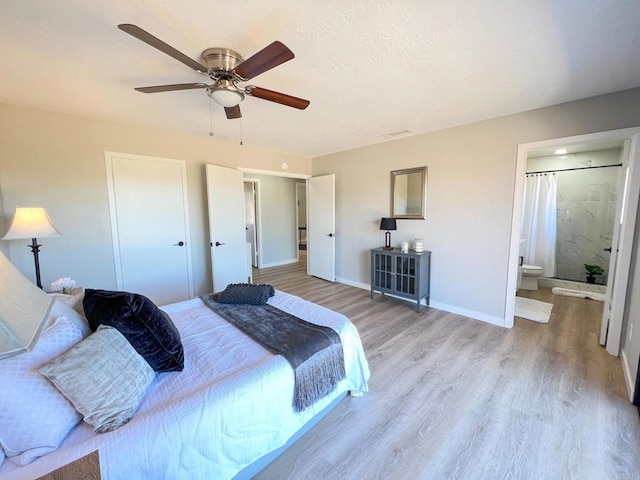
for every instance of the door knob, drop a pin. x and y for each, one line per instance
(331, 235)
(608, 249)
(179, 244)
(218, 244)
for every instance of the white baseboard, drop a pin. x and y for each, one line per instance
(483, 317)
(631, 382)
(440, 306)
(278, 264)
(351, 283)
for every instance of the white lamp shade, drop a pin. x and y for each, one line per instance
(225, 93)
(31, 222)
(226, 98)
(24, 308)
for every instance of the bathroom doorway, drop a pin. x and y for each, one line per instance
(626, 207)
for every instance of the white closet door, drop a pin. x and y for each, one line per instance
(150, 228)
(225, 193)
(321, 227)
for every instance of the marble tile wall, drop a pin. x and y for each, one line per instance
(586, 206)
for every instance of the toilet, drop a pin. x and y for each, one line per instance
(530, 274)
(527, 274)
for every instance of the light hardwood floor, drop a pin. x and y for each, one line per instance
(455, 398)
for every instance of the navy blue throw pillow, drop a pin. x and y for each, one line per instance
(147, 328)
(246, 293)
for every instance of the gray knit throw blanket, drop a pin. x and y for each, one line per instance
(314, 352)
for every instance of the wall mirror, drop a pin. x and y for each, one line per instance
(409, 193)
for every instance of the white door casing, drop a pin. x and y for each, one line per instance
(150, 226)
(226, 205)
(321, 227)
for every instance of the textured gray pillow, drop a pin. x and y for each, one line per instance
(103, 377)
(245, 293)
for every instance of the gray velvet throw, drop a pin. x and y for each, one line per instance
(314, 352)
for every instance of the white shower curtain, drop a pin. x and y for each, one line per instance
(539, 222)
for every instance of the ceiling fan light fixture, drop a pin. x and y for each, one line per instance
(225, 93)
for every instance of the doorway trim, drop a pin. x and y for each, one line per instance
(626, 234)
(274, 173)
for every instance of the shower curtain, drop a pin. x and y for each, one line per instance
(539, 221)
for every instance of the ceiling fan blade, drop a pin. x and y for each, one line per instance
(277, 97)
(155, 42)
(170, 88)
(267, 58)
(233, 112)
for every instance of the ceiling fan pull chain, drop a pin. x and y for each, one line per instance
(241, 131)
(210, 119)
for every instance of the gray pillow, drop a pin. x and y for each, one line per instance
(245, 293)
(103, 377)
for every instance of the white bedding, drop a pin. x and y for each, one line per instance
(229, 406)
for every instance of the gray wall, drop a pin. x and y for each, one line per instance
(57, 161)
(4, 224)
(470, 189)
(277, 228)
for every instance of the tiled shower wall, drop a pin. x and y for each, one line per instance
(586, 206)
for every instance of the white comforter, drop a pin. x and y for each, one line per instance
(229, 406)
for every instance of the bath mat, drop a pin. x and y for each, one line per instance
(568, 292)
(533, 310)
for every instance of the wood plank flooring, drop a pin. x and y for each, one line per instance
(455, 398)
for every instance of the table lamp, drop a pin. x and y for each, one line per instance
(388, 224)
(32, 222)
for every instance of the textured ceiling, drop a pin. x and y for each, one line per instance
(369, 67)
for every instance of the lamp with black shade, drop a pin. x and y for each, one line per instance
(388, 224)
(32, 222)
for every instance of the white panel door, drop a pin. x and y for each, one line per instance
(321, 223)
(225, 194)
(615, 302)
(150, 229)
(613, 261)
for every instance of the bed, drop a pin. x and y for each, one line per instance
(227, 411)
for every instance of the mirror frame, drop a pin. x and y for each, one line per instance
(423, 194)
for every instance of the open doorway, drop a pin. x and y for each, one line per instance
(626, 209)
(276, 217)
(301, 215)
(320, 258)
(569, 225)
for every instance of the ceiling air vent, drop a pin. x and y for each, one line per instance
(397, 134)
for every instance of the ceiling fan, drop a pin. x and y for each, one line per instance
(226, 68)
